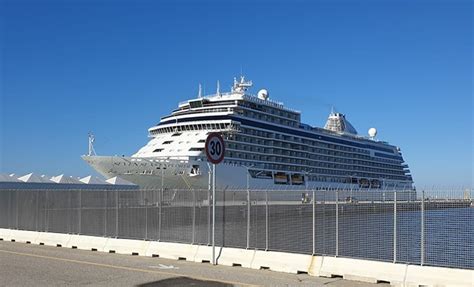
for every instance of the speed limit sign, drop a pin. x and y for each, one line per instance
(215, 148)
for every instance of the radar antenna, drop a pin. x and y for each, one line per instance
(200, 91)
(91, 145)
(242, 86)
(218, 92)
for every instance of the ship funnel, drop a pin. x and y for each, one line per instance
(337, 122)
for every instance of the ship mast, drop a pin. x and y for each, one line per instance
(242, 86)
(91, 145)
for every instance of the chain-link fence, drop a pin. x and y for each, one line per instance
(424, 227)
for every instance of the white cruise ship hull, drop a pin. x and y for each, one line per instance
(151, 173)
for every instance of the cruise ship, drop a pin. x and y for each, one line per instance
(266, 147)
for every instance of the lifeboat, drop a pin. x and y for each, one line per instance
(364, 183)
(297, 179)
(281, 178)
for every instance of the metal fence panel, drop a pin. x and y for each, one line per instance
(202, 218)
(365, 228)
(428, 228)
(177, 212)
(131, 216)
(325, 221)
(408, 228)
(27, 209)
(290, 222)
(449, 230)
(258, 220)
(5, 210)
(233, 207)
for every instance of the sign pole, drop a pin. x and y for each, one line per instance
(215, 150)
(213, 213)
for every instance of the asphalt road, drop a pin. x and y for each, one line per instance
(33, 265)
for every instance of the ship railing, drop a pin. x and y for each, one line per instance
(252, 98)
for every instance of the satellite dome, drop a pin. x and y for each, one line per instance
(263, 94)
(372, 132)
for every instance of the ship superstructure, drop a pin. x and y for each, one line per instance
(265, 143)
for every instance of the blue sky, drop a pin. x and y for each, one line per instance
(114, 68)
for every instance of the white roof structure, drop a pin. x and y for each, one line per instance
(32, 177)
(92, 180)
(7, 178)
(118, 181)
(64, 179)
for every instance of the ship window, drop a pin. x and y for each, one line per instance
(176, 134)
(158, 150)
(167, 142)
(196, 104)
(201, 141)
(196, 149)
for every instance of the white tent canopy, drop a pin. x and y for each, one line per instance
(7, 178)
(92, 180)
(64, 179)
(32, 177)
(118, 181)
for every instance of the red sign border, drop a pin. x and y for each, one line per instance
(219, 137)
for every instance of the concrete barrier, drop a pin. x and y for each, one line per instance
(203, 254)
(52, 239)
(5, 234)
(234, 257)
(126, 246)
(21, 236)
(281, 261)
(438, 276)
(86, 242)
(171, 250)
(361, 270)
(351, 269)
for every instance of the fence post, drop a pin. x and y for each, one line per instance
(314, 223)
(394, 226)
(105, 213)
(37, 210)
(69, 213)
(16, 208)
(160, 213)
(46, 213)
(422, 228)
(9, 209)
(248, 215)
(266, 220)
(117, 197)
(337, 222)
(194, 216)
(146, 213)
(323, 229)
(160, 208)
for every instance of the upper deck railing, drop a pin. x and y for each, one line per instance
(248, 97)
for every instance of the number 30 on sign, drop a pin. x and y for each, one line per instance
(215, 148)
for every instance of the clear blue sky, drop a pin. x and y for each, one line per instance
(116, 67)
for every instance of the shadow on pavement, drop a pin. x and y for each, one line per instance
(184, 281)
